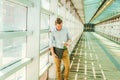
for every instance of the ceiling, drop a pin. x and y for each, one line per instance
(96, 11)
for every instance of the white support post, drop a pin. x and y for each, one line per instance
(33, 42)
(1, 42)
(1, 52)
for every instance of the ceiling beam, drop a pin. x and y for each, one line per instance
(98, 10)
(102, 7)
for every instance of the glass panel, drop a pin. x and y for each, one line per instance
(44, 60)
(12, 49)
(44, 21)
(58, 10)
(61, 11)
(45, 4)
(13, 17)
(19, 75)
(43, 41)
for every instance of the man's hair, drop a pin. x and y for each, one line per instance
(58, 21)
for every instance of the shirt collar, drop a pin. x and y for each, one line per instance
(57, 30)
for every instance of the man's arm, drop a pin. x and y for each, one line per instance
(51, 44)
(53, 53)
(68, 42)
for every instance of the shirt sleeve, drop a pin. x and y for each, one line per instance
(51, 40)
(68, 36)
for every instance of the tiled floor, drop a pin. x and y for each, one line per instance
(94, 59)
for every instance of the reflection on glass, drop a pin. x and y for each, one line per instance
(19, 75)
(43, 41)
(13, 16)
(44, 60)
(44, 21)
(45, 4)
(12, 49)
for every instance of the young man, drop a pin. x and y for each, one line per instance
(59, 39)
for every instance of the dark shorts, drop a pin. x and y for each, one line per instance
(58, 52)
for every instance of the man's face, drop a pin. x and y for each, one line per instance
(59, 26)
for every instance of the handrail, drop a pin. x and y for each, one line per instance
(27, 3)
(108, 37)
(44, 31)
(43, 51)
(43, 70)
(12, 34)
(45, 11)
(4, 73)
(7, 65)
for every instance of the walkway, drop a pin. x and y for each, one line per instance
(95, 58)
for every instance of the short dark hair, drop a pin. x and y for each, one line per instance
(58, 21)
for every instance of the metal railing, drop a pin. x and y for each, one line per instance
(10, 69)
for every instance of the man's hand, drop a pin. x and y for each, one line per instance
(54, 55)
(67, 43)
